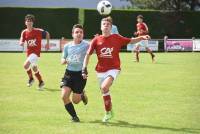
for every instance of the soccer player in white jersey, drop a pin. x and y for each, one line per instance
(73, 82)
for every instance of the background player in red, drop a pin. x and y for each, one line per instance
(107, 47)
(142, 30)
(33, 37)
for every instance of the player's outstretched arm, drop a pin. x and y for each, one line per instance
(137, 39)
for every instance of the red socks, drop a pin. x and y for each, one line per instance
(38, 76)
(107, 101)
(30, 75)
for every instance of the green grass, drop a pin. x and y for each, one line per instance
(161, 98)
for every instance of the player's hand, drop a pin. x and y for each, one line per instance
(146, 37)
(47, 47)
(96, 35)
(64, 61)
(135, 33)
(84, 73)
(21, 44)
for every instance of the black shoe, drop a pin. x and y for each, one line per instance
(30, 82)
(84, 98)
(41, 85)
(75, 119)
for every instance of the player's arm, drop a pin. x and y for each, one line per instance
(64, 56)
(47, 38)
(45, 34)
(85, 64)
(87, 57)
(64, 61)
(146, 27)
(138, 39)
(21, 40)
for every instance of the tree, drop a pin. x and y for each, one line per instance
(176, 5)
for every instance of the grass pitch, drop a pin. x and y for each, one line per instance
(160, 98)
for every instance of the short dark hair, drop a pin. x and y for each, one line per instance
(30, 17)
(109, 19)
(140, 16)
(77, 26)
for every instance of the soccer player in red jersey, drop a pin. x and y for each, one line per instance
(33, 37)
(107, 47)
(142, 30)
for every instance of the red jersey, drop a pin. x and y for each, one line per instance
(142, 29)
(33, 39)
(107, 50)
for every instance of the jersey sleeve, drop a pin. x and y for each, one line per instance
(44, 33)
(92, 46)
(123, 41)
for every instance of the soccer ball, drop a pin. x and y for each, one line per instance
(104, 7)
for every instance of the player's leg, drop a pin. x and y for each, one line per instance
(78, 89)
(38, 76)
(137, 51)
(65, 95)
(151, 53)
(34, 60)
(27, 67)
(105, 86)
(106, 80)
(67, 86)
(76, 98)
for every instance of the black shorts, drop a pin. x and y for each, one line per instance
(74, 80)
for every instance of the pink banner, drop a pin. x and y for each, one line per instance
(178, 45)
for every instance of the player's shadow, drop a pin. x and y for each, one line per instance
(120, 123)
(51, 89)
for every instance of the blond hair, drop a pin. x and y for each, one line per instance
(109, 19)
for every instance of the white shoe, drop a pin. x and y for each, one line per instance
(109, 115)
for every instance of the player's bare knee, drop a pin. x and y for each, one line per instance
(65, 99)
(104, 89)
(26, 66)
(76, 100)
(35, 68)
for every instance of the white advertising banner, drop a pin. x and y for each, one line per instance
(54, 45)
(10, 45)
(13, 45)
(196, 45)
(152, 44)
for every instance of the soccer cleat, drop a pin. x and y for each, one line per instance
(75, 119)
(30, 82)
(41, 85)
(84, 98)
(109, 115)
